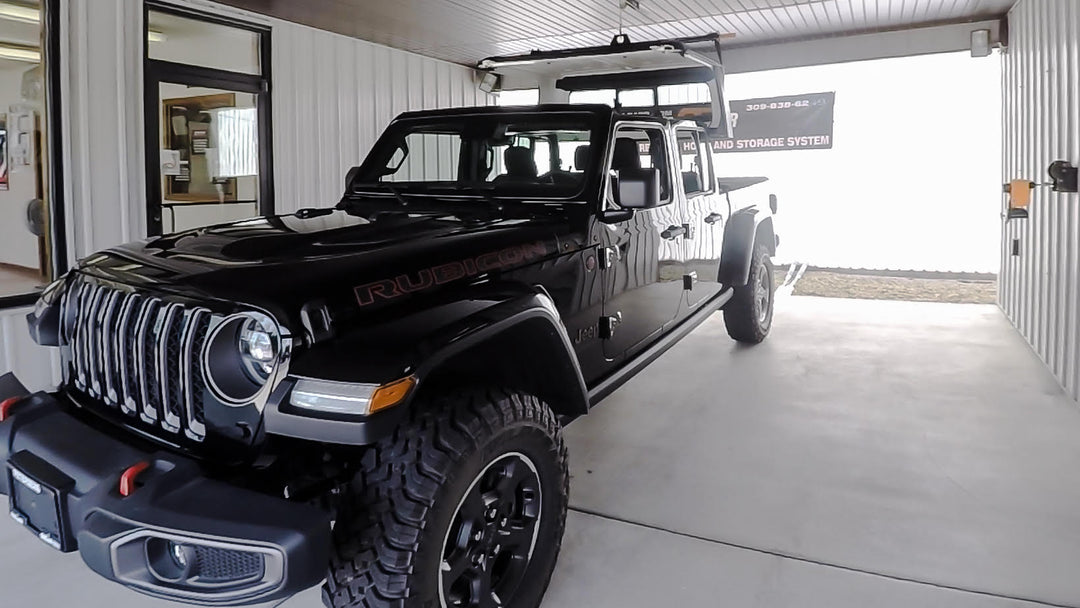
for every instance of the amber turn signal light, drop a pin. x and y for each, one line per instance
(389, 395)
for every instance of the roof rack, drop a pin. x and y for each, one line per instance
(623, 65)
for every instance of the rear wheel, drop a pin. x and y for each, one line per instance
(463, 507)
(748, 316)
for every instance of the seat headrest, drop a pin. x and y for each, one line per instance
(625, 155)
(581, 157)
(519, 162)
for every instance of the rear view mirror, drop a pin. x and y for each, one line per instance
(638, 188)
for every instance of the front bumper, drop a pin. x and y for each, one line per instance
(228, 546)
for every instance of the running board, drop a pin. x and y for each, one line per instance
(630, 369)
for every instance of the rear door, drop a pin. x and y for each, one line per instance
(706, 214)
(642, 257)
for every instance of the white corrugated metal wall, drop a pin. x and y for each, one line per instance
(346, 91)
(1040, 287)
(332, 97)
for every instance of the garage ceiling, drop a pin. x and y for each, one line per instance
(465, 31)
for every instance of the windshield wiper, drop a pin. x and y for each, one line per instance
(382, 185)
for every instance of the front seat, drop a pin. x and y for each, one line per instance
(520, 166)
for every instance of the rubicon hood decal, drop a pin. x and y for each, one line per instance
(388, 289)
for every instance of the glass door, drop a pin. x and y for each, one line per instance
(208, 126)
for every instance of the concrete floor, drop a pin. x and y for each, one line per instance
(868, 454)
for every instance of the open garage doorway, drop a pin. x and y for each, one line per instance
(905, 204)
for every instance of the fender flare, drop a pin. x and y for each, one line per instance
(746, 230)
(532, 322)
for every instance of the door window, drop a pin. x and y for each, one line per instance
(641, 147)
(694, 163)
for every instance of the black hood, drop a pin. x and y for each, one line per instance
(280, 262)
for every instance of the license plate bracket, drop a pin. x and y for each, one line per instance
(39, 499)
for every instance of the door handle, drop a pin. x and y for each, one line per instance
(712, 218)
(673, 232)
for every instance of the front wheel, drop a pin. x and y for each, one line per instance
(748, 316)
(463, 507)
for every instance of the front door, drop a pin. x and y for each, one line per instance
(643, 256)
(706, 214)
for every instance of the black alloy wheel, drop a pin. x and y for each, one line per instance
(491, 541)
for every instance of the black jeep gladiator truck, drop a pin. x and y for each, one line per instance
(371, 396)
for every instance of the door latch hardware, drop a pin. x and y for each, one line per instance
(608, 325)
(608, 257)
(688, 232)
(688, 280)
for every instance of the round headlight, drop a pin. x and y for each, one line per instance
(241, 355)
(257, 345)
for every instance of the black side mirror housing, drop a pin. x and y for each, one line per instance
(638, 188)
(350, 176)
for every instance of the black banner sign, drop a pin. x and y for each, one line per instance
(792, 122)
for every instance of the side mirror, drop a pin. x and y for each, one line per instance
(772, 203)
(638, 188)
(349, 177)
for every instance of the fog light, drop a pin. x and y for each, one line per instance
(170, 561)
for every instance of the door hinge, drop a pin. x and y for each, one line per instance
(688, 280)
(608, 325)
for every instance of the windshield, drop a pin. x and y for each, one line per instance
(502, 155)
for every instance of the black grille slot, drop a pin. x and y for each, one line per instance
(140, 354)
(213, 565)
(198, 380)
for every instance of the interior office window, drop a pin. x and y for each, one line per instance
(25, 239)
(207, 137)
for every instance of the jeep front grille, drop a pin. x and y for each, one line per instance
(138, 354)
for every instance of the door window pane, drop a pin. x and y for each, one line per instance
(202, 43)
(648, 142)
(209, 156)
(25, 258)
(693, 163)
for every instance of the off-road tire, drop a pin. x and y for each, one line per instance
(747, 316)
(390, 533)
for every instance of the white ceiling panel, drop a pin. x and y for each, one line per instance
(465, 31)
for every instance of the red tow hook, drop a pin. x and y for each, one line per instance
(7, 405)
(130, 476)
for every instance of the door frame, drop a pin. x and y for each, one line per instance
(157, 71)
